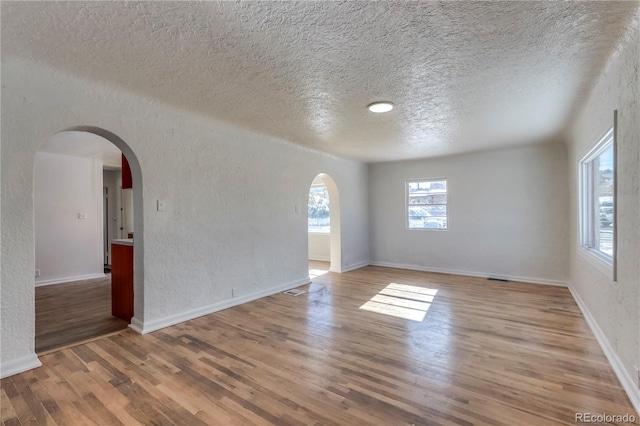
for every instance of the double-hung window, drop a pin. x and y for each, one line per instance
(597, 199)
(426, 204)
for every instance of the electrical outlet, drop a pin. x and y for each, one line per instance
(234, 292)
(37, 272)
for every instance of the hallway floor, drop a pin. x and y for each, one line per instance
(74, 312)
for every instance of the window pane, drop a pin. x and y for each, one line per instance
(603, 186)
(434, 217)
(429, 222)
(428, 187)
(427, 199)
(319, 215)
(427, 211)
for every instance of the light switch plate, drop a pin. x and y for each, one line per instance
(162, 205)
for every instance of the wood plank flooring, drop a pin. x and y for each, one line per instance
(485, 353)
(74, 312)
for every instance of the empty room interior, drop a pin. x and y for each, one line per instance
(384, 213)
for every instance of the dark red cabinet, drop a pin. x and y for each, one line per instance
(127, 182)
(122, 281)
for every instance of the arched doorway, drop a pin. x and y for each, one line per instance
(323, 222)
(72, 209)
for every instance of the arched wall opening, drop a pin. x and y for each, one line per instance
(335, 234)
(66, 141)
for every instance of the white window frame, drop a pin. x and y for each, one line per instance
(589, 208)
(407, 205)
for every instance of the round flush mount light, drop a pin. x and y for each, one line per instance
(380, 107)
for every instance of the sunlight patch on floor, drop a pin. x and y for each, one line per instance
(402, 301)
(314, 273)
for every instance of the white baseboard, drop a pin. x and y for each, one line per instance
(625, 378)
(136, 325)
(144, 327)
(19, 365)
(354, 267)
(69, 279)
(472, 274)
(320, 258)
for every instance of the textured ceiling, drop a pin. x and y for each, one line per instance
(464, 75)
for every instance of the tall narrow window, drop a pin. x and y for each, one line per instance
(597, 199)
(427, 204)
(319, 216)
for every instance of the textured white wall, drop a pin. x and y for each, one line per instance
(615, 306)
(319, 246)
(508, 214)
(213, 176)
(67, 247)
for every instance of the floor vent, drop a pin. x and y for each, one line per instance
(498, 279)
(294, 292)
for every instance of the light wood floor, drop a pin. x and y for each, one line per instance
(73, 312)
(486, 353)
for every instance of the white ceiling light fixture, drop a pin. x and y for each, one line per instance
(380, 107)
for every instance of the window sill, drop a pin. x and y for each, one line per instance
(319, 233)
(597, 261)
